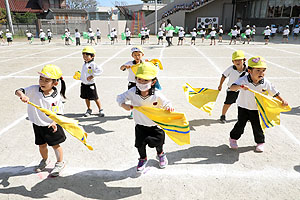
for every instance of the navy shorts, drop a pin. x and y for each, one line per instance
(88, 92)
(44, 135)
(231, 97)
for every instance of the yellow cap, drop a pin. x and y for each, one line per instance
(51, 71)
(137, 49)
(238, 55)
(147, 71)
(257, 62)
(88, 49)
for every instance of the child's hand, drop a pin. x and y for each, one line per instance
(284, 103)
(89, 78)
(24, 98)
(244, 87)
(220, 87)
(170, 109)
(53, 125)
(127, 107)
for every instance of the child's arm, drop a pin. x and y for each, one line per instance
(124, 67)
(122, 98)
(22, 96)
(284, 102)
(166, 104)
(235, 87)
(221, 82)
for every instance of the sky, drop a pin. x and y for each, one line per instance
(110, 2)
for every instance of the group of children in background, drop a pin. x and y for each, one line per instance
(142, 91)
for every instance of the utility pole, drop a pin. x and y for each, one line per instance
(155, 17)
(9, 17)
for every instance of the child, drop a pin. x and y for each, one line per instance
(238, 36)
(267, 34)
(92, 37)
(213, 33)
(127, 35)
(137, 53)
(169, 36)
(143, 36)
(273, 31)
(147, 34)
(180, 36)
(194, 35)
(46, 131)
(234, 72)
(146, 131)
(49, 34)
(285, 34)
(1, 36)
(247, 108)
(234, 33)
(42, 36)
(29, 36)
(253, 31)
(8, 37)
(160, 36)
(202, 33)
(88, 89)
(98, 34)
(220, 33)
(112, 36)
(77, 37)
(116, 35)
(296, 32)
(248, 34)
(67, 37)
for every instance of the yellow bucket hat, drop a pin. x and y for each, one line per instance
(257, 62)
(137, 49)
(238, 55)
(147, 71)
(88, 49)
(51, 71)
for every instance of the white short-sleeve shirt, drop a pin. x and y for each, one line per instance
(233, 74)
(52, 102)
(131, 75)
(246, 99)
(90, 69)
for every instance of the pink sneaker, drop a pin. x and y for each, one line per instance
(163, 160)
(259, 147)
(233, 143)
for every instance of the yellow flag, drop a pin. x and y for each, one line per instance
(269, 109)
(202, 98)
(156, 62)
(68, 124)
(174, 124)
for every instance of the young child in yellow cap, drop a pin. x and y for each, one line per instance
(247, 108)
(233, 73)
(46, 131)
(88, 90)
(146, 131)
(137, 54)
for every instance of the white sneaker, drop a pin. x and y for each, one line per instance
(43, 164)
(259, 147)
(59, 166)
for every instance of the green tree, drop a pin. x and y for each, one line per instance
(25, 18)
(3, 16)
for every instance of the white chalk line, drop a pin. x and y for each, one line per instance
(277, 65)
(289, 52)
(289, 134)
(209, 60)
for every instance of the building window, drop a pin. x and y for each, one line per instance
(263, 9)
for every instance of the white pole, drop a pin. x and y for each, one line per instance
(9, 17)
(155, 17)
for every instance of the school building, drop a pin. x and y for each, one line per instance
(196, 13)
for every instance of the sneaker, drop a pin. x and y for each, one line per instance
(131, 116)
(88, 112)
(43, 164)
(101, 114)
(59, 166)
(163, 160)
(259, 147)
(141, 165)
(223, 119)
(233, 143)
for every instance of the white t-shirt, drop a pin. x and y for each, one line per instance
(234, 32)
(194, 34)
(286, 32)
(127, 33)
(160, 34)
(181, 34)
(8, 35)
(246, 99)
(296, 30)
(157, 100)
(52, 102)
(202, 32)
(143, 33)
(267, 32)
(112, 34)
(253, 31)
(67, 34)
(213, 33)
(131, 75)
(170, 33)
(90, 69)
(29, 35)
(232, 74)
(273, 30)
(247, 31)
(98, 33)
(77, 35)
(147, 32)
(221, 31)
(1, 32)
(91, 34)
(42, 35)
(49, 34)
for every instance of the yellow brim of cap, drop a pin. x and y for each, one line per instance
(145, 77)
(239, 58)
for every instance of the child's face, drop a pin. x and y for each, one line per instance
(47, 84)
(257, 74)
(137, 55)
(239, 63)
(87, 57)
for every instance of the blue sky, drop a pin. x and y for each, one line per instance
(110, 2)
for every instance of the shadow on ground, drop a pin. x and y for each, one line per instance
(206, 122)
(87, 184)
(294, 111)
(297, 168)
(207, 155)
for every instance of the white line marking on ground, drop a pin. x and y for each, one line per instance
(112, 57)
(289, 52)
(44, 63)
(277, 65)
(209, 60)
(162, 52)
(289, 134)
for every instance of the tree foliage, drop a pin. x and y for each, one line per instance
(3, 19)
(25, 18)
(81, 4)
